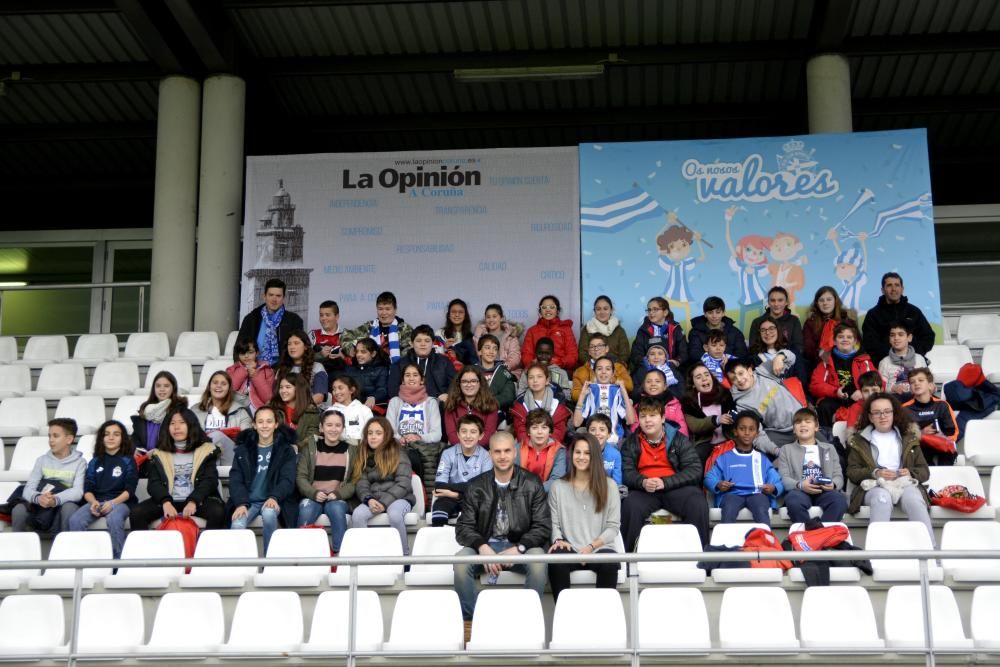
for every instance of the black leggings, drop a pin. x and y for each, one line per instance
(211, 510)
(607, 573)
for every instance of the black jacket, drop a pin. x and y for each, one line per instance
(280, 472)
(530, 523)
(372, 379)
(680, 453)
(789, 324)
(875, 330)
(250, 326)
(677, 348)
(736, 345)
(438, 373)
(206, 476)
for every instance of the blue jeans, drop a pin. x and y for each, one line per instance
(467, 576)
(268, 515)
(335, 510)
(82, 518)
(757, 503)
(833, 503)
(396, 511)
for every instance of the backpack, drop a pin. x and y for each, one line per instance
(762, 539)
(818, 539)
(957, 497)
(188, 529)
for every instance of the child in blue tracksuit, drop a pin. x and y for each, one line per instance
(599, 426)
(459, 464)
(744, 477)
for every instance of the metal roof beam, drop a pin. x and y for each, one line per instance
(831, 25)
(207, 30)
(944, 104)
(88, 72)
(56, 6)
(899, 45)
(148, 25)
(76, 132)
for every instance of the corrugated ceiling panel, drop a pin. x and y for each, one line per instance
(67, 38)
(899, 17)
(93, 102)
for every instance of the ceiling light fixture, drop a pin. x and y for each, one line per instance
(550, 73)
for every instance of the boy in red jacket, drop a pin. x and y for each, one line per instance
(834, 382)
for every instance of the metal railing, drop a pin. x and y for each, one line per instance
(633, 653)
(143, 285)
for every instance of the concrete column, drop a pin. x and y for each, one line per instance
(175, 205)
(828, 88)
(220, 205)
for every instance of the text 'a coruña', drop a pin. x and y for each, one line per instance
(404, 180)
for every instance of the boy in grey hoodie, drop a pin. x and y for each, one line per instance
(61, 465)
(760, 390)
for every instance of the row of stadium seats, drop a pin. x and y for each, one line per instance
(440, 541)
(143, 348)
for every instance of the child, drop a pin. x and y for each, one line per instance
(778, 310)
(326, 339)
(437, 369)
(164, 398)
(538, 394)
(296, 406)
(715, 356)
(345, 401)
(811, 472)
(391, 333)
(607, 397)
(938, 426)
(539, 453)
(454, 340)
(743, 477)
(659, 323)
(715, 319)
(262, 479)
(321, 477)
(657, 358)
(370, 372)
(558, 378)
(654, 386)
(415, 416)
(253, 379)
(597, 347)
(458, 465)
(469, 394)
(499, 379)
(54, 488)
(760, 390)
(835, 381)
(902, 359)
(109, 485)
(869, 383)
(607, 325)
(599, 426)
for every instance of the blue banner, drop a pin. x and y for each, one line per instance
(686, 220)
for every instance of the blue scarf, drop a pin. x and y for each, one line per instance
(842, 355)
(269, 322)
(664, 368)
(376, 334)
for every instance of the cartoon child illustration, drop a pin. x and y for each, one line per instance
(851, 267)
(674, 244)
(785, 272)
(749, 260)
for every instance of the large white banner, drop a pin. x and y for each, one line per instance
(485, 226)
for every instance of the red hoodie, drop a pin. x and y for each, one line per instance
(565, 355)
(825, 382)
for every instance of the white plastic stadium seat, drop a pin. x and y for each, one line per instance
(576, 623)
(32, 625)
(994, 494)
(59, 380)
(125, 408)
(296, 543)
(208, 369)
(204, 624)
(737, 631)
(282, 614)
(85, 444)
(18, 546)
(26, 451)
(411, 518)
(669, 538)
(145, 348)
(328, 633)
(821, 603)
(967, 476)
(121, 611)
(971, 535)
(42, 350)
(734, 535)
(222, 544)
(197, 346)
(904, 625)
(589, 578)
(87, 411)
(23, 416)
(142, 544)
(367, 542)
(900, 536)
(982, 443)
(991, 362)
(92, 349)
(8, 349)
(444, 633)
(979, 330)
(985, 612)
(946, 360)
(113, 379)
(673, 619)
(227, 349)
(433, 541)
(838, 574)
(507, 619)
(82, 545)
(15, 380)
(181, 370)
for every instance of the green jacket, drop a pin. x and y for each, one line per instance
(618, 345)
(306, 469)
(861, 464)
(308, 425)
(349, 338)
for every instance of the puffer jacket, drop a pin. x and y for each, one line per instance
(386, 490)
(825, 382)
(862, 457)
(680, 453)
(280, 472)
(530, 522)
(563, 338)
(510, 343)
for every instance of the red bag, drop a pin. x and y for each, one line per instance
(826, 342)
(818, 539)
(761, 539)
(794, 387)
(230, 432)
(957, 497)
(939, 443)
(333, 568)
(188, 529)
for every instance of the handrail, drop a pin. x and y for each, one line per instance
(632, 651)
(143, 285)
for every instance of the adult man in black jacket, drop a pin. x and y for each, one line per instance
(893, 307)
(661, 469)
(504, 511)
(274, 302)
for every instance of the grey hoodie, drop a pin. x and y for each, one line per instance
(775, 409)
(70, 471)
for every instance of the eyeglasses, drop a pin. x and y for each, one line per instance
(653, 310)
(598, 346)
(768, 329)
(880, 413)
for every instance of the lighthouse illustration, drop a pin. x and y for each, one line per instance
(279, 255)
